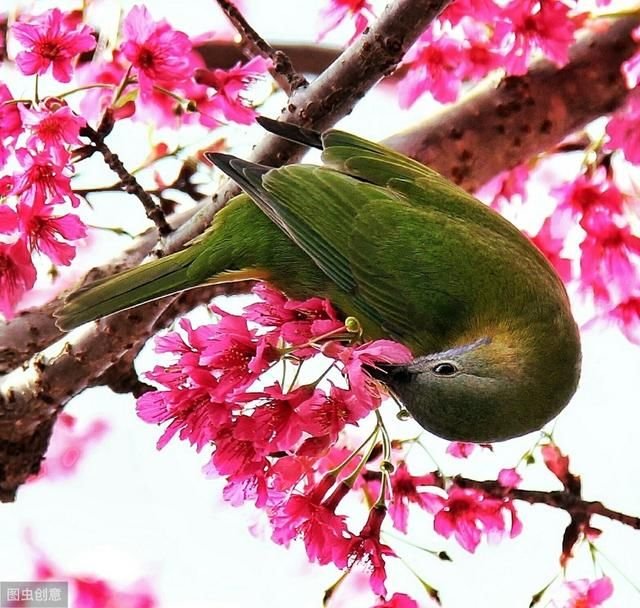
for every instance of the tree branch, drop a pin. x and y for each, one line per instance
(283, 71)
(568, 501)
(497, 128)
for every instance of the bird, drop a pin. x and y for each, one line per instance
(495, 349)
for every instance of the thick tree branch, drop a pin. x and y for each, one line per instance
(32, 396)
(497, 128)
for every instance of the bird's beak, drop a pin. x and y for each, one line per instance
(388, 372)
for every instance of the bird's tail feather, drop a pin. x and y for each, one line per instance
(141, 284)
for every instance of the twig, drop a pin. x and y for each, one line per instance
(128, 182)
(570, 502)
(284, 73)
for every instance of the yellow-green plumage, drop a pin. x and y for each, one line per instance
(413, 257)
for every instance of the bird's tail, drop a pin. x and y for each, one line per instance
(127, 289)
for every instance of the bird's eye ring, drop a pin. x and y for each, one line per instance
(445, 368)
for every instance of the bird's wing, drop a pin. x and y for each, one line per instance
(358, 234)
(419, 185)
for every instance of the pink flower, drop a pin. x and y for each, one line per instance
(586, 195)
(480, 54)
(509, 478)
(556, 462)
(8, 219)
(45, 178)
(328, 414)
(337, 11)
(483, 11)
(324, 533)
(233, 351)
(610, 258)
(460, 449)
(68, 445)
(157, 51)
(552, 245)
(467, 514)
(296, 322)
(434, 65)
(52, 124)
(10, 121)
(279, 424)
(189, 406)
(506, 188)
(586, 594)
(228, 102)
(367, 549)
(17, 275)
(378, 351)
(43, 231)
(623, 129)
(404, 490)
(398, 600)
(631, 67)
(627, 316)
(529, 25)
(237, 453)
(51, 39)
(96, 100)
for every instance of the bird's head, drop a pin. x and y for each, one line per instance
(485, 390)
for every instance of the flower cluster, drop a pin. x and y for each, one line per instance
(240, 385)
(35, 160)
(153, 74)
(161, 78)
(474, 37)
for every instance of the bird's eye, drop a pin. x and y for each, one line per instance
(444, 369)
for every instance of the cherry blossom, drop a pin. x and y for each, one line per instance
(17, 275)
(8, 219)
(435, 65)
(230, 85)
(45, 177)
(627, 315)
(405, 490)
(623, 129)
(610, 258)
(367, 549)
(552, 247)
(10, 120)
(53, 124)
(360, 12)
(44, 231)
(468, 514)
(51, 40)
(157, 51)
(398, 600)
(528, 25)
(586, 594)
(324, 533)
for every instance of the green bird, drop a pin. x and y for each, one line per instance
(409, 254)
